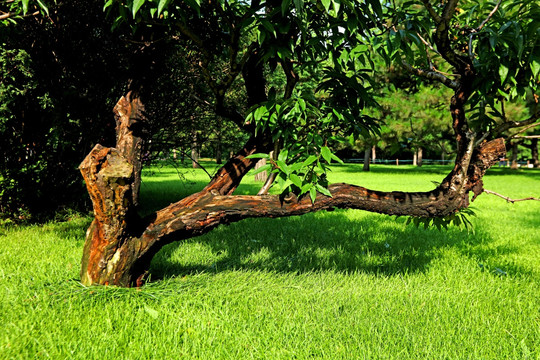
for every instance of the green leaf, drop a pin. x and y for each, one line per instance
(268, 26)
(162, 5)
(136, 6)
(310, 160)
(296, 180)
(503, 72)
(312, 194)
(336, 6)
(535, 68)
(299, 5)
(302, 104)
(326, 4)
(304, 189)
(283, 155)
(261, 169)
(25, 6)
(43, 7)
(323, 190)
(258, 156)
(259, 113)
(285, 7)
(283, 167)
(334, 156)
(326, 154)
(107, 4)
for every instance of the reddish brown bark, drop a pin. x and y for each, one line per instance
(120, 246)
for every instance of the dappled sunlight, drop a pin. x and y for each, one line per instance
(344, 241)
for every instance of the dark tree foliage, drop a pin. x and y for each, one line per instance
(59, 74)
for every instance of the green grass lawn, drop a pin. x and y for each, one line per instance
(330, 285)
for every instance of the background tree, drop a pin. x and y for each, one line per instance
(59, 74)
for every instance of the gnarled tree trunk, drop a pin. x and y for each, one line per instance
(120, 245)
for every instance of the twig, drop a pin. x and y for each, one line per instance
(12, 14)
(521, 131)
(527, 137)
(509, 199)
(489, 16)
(514, 124)
(196, 162)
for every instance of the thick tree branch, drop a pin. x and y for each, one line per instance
(229, 176)
(200, 213)
(442, 38)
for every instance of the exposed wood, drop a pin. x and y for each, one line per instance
(130, 121)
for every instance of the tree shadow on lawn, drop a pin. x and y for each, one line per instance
(325, 241)
(442, 170)
(498, 171)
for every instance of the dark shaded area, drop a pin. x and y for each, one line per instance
(321, 242)
(406, 169)
(72, 68)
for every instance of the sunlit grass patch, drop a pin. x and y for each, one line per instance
(331, 285)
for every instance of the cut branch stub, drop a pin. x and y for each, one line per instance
(130, 122)
(109, 179)
(484, 157)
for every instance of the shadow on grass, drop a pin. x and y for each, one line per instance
(155, 196)
(325, 241)
(498, 171)
(392, 169)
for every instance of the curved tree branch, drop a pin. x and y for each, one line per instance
(516, 124)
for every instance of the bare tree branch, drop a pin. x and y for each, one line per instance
(515, 124)
(442, 39)
(525, 129)
(489, 16)
(432, 75)
(510, 200)
(528, 137)
(11, 15)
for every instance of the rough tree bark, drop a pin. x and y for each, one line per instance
(120, 245)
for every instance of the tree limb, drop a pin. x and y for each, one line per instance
(514, 124)
(431, 75)
(431, 11)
